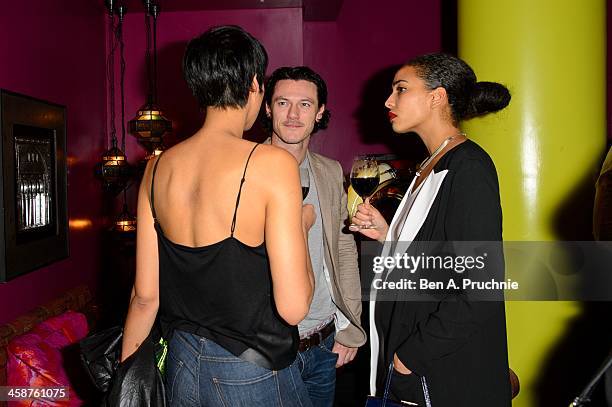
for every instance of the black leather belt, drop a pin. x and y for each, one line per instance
(317, 337)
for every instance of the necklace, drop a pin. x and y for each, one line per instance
(433, 155)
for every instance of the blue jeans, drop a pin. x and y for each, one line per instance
(199, 372)
(318, 368)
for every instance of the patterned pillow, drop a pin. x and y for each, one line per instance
(62, 330)
(35, 359)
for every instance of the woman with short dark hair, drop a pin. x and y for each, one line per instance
(445, 348)
(222, 243)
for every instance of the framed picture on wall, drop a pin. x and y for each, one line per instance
(34, 218)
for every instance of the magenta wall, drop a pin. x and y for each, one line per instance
(349, 53)
(280, 31)
(57, 54)
(354, 55)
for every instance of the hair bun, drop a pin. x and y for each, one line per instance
(487, 97)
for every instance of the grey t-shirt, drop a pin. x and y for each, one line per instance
(322, 308)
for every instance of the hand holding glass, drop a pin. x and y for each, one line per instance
(364, 180)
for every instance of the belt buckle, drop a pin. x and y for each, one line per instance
(320, 335)
(309, 341)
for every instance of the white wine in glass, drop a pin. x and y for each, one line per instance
(364, 179)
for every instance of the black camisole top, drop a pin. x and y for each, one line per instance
(223, 292)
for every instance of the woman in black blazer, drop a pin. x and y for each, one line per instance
(449, 350)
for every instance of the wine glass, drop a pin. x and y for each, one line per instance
(305, 181)
(364, 179)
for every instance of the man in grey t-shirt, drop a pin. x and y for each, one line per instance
(296, 99)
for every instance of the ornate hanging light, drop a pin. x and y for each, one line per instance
(125, 222)
(114, 169)
(150, 125)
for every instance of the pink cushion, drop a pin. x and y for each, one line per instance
(62, 330)
(35, 358)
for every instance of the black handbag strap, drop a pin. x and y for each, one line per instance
(425, 392)
(388, 386)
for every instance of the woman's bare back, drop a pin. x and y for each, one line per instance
(196, 188)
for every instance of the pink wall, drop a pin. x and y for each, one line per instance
(57, 54)
(280, 31)
(354, 55)
(350, 54)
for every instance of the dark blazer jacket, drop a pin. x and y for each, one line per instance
(457, 344)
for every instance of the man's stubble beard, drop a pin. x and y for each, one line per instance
(303, 139)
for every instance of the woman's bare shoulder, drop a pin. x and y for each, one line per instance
(275, 164)
(275, 158)
(277, 153)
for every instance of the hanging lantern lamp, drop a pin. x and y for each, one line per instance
(125, 222)
(114, 169)
(150, 125)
